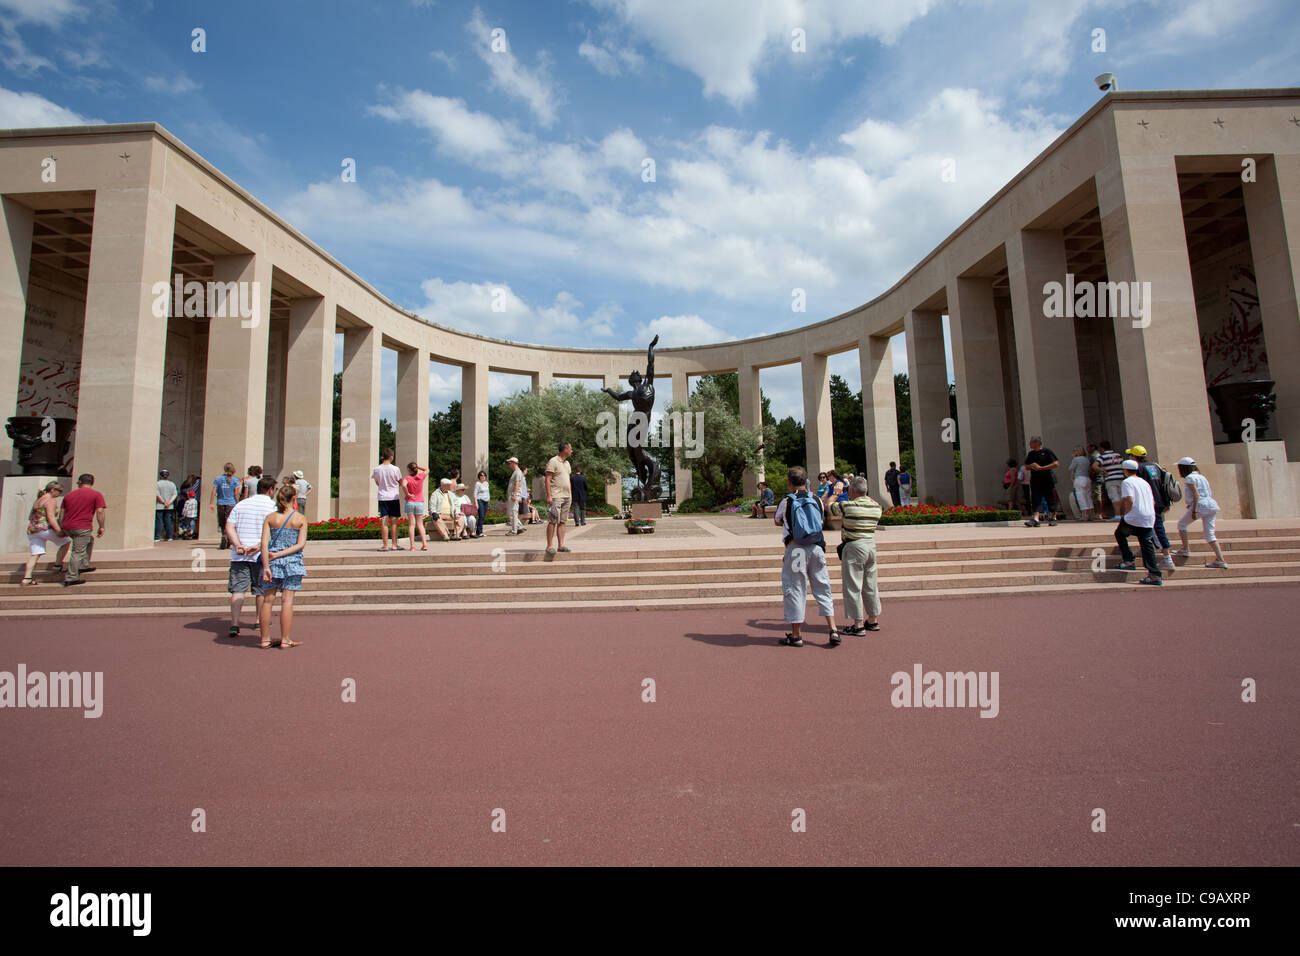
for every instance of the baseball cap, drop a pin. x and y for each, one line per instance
(1129, 465)
(1137, 451)
(1186, 460)
(163, 473)
(445, 481)
(512, 458)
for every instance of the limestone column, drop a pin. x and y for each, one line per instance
(1160, 365)
(234, 394)
(309, 411)
(473, 420)
(614, 489)
(1051, 393)
(540, 380)
(751, 416)
(817, 414)
(359, 422)
(1273, 217)
(119, 407)
(981, 406)
(927, 370)
(879, 410)
(682, 474)
(413, 411)
(15, 266)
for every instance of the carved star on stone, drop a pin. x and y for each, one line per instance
(1296, 121)
(1143, 123)
(1219, 123)
(124, 157)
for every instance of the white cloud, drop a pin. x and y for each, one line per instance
(460, 130)
(612, 61)
(26, 110)
(681, 329)
(495, 310)
(727, 42)
(510, 77)
(445, 58)
(48, 13)
(173, 86)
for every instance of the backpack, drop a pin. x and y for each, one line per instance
(1155, 476)
(805, 516)
(1172, 488)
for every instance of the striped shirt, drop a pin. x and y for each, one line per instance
(1112, 464)
(861, 515)
(247, 517)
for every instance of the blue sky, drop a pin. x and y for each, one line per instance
(524, 168)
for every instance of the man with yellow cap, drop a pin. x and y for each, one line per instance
(1155, 476)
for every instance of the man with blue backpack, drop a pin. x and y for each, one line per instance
(802, 518)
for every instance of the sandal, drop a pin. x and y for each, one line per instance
(835, 638)
(1180, 553)
(265, 644)
(285, 642)
(791, 641)
(871, 627)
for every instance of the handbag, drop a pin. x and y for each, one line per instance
(469, 510)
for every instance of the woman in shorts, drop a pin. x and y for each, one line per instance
(43, 529)
(1200, 505)
(284, 535)
(413, 503)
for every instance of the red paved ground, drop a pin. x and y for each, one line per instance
(542, 716)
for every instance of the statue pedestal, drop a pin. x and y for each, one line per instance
(17, 495)
(1265, 477)
(640, 511)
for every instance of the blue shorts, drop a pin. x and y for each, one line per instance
(290, 582)
(390, 509)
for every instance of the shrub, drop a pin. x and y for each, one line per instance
(944, 514)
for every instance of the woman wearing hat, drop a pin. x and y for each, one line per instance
(303, 487)
(1200, 504)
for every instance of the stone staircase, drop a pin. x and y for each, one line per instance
(696, 574)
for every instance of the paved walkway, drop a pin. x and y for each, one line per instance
(457, 716)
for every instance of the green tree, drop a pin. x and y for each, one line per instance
(847, 425)
(531, 426)
(784, 441)
(903, 410)
(728, 447)
(444, 443)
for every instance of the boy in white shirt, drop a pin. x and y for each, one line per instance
(1137, 509)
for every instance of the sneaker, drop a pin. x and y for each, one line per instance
(1031, 523)
(1154, 581)
(1052, 523)
(1216, 564)
(1125, 566)
(550, 550)
(1168, 562)
(563, 549)
(69, 584)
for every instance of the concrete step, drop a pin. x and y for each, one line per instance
(768, 605)
(574, 589)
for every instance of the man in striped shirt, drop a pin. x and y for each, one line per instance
(858, 557)
(1112, 469)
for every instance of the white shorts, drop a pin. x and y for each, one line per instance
(1205, 517)
(39, 543)
(1114, 490)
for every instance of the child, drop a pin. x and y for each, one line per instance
(905, 488)
(413, 503)
(284, 535)
(1200, 504)
(189, 512)
(1010, 482)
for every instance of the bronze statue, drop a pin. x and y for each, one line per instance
(642, 395)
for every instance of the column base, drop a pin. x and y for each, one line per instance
(1267, 484)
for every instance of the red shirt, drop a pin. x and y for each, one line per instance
(414, 486)
(79, 508)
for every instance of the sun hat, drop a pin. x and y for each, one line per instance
(297, 474)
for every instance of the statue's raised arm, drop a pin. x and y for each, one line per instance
(650, 360)
(616, 396)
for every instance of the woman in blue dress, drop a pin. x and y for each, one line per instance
(284, 535)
